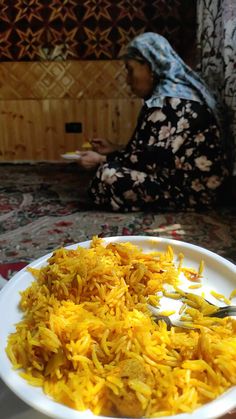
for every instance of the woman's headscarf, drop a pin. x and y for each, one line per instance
(175, 78)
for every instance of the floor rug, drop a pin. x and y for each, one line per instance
(43, 207)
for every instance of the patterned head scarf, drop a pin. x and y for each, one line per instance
(175, 78)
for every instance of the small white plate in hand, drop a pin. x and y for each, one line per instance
(73, 155)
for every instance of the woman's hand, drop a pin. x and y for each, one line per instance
(103, 146)
(90, 159)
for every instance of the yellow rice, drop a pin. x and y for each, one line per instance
(88, 339)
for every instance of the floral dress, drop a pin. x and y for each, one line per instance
(174, 160)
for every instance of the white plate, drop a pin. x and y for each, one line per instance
(219, 275)
(71, 156)
(12, 407)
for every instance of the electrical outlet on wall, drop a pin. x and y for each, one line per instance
(73, 127)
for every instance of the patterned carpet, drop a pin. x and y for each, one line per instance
(43, 207)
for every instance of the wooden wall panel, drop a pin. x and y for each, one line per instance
(34, 130)
(38, 98)
(63, 79)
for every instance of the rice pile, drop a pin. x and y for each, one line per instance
(89, 340)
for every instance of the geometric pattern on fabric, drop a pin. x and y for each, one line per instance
(36, 30)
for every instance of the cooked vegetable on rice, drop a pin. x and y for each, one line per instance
(88, 339)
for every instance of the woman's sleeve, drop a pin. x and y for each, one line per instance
(146, 151)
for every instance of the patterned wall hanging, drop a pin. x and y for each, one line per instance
(35, 30)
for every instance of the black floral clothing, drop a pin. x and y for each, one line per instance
(174, 160)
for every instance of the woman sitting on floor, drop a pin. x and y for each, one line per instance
(175, 158)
